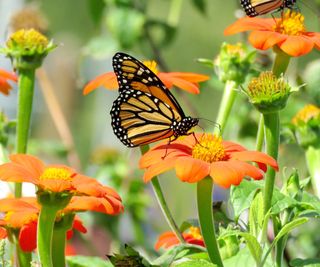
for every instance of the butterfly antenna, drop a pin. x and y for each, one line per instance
(212, 122)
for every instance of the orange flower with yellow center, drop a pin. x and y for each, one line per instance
(288, 33)
(184, 80)
(58, 178)
(168, 239)
(22, 215)
(5, 87)
(206, 155)
(306, 114)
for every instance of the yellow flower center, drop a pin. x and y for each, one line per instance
(56, 174)
(292, 23)
(195, 232)
(235, 49)
(307, 113)
(28, 39)
(209, 149)
(152, 65)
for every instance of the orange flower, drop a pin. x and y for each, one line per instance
(22, 214)
(288, 32)
(169, 239)
(185, 80)
(195, 158)
(5, 87)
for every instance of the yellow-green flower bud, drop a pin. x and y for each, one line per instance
(268, 93)
(307, 126)
(27, 49)
(234, 62)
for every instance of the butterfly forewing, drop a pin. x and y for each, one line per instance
(259, 7)
(145, 111)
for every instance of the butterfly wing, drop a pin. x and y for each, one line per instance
(139, 118)
(133, 74)
(259, 7)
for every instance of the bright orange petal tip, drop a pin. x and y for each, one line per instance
(107, 80)
(288, 33)
(168, 239)
(206, 155)
(5, 87)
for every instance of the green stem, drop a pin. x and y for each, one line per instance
(24, 258)
(162, 202)
(25, 97)
(58, 247)
(45, 229)
(228, 98)
(260, 134)
(205, 213)
(272, 133)
(281, 62)
(313, 159)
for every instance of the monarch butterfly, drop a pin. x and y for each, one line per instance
(259, 7)
(145, 110)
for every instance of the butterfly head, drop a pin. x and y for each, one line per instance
(183, 127)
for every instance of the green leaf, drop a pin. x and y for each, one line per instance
(242, 195)
(289, 227)
(194, 263)
(96, 9)
(126, 25)
(175, 253)
(130, 258)
(304, 262)
(256, 215)
(244, 258)
(253, 246)
(200, 5)
(83, 261)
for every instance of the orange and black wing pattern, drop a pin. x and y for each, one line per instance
(145, 111)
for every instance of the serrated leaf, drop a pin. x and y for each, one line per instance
(83, 261)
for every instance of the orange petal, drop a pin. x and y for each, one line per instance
(249, 24)
(16, 205)
(190, 76)
(232, 172)
(191, 170)
(3, 233)
(232, 147)
(158, 168)
(255, 156)
(297, 45)
(8, 75)
(186, 85)
(166, 240)
(166, 151)
(107, 80)
(12, 172)
(56, 185)
(30, 163)
(5, 87)
(265, 39)
(28, 237)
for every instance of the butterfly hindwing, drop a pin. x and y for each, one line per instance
(138, 118)
(259, 7)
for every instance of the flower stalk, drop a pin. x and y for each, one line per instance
(205, 213)
(228, 98)
(25, 98)
(162, 202)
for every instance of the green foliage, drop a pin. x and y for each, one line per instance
(83, 261)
